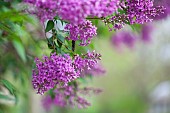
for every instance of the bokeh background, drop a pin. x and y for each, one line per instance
(137, 78)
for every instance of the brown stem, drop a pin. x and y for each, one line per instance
(73, 45)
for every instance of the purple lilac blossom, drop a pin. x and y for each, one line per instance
(141, 11)
(74, 11)
(53, 71)
(69, 96)
(89, 90)
(146, 33)
(134, 11)
(123, 38)
(96, 70)
(118, 21)
(60, 70)
(44, 9)
(87, 63)
(47, 102)
(166, 4)
(84, 32)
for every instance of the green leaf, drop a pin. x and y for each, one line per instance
(121, 11)
(50, 25)
(19, 48)
(6, 97)
(51, 43)
(51, 93)
(136, 27)
(57, 18)
(9, 86)
(59, 44)
(60, 37)
(58, 50)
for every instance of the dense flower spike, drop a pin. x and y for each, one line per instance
(141, 11)
(74, 11)
(69, 96)
(118, 21)
(84, 32)
(166, 4)
(134, 11)
(96, 70)
(60, 70)
(44, 9)
(53, 71)
(89, 65)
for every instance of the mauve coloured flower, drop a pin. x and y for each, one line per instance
(53, 71)
(60, 70)
(134, 12)
(146, 33)
(141, 11)
(44, 9)
(74, 11)
(69, 96)
(84, 32)
(166, 4)
(96, 70)
(123, 38)
(47, 102)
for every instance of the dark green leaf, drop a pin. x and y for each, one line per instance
(9, 86)
(51, 43)
(58, 50)
(121, 11)
(61, 38)
(20, 49)
(50, 25)
(59, 44)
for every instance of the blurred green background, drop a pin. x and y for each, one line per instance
(136, 80)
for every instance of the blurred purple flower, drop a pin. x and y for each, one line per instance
(146, 33)
(69, 96)
(96, 70)
(47, 102)
(166, 4)
(43, 9)
(123, 38)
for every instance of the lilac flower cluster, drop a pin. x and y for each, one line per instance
(141, 11)
(44, 9)
(96, 70)
(86, 64)
(51, 71)
(134, 11)
(69, 95)
(166, 4)
(84, 32)
(60, 70)
(75, 11)
(118, 21)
